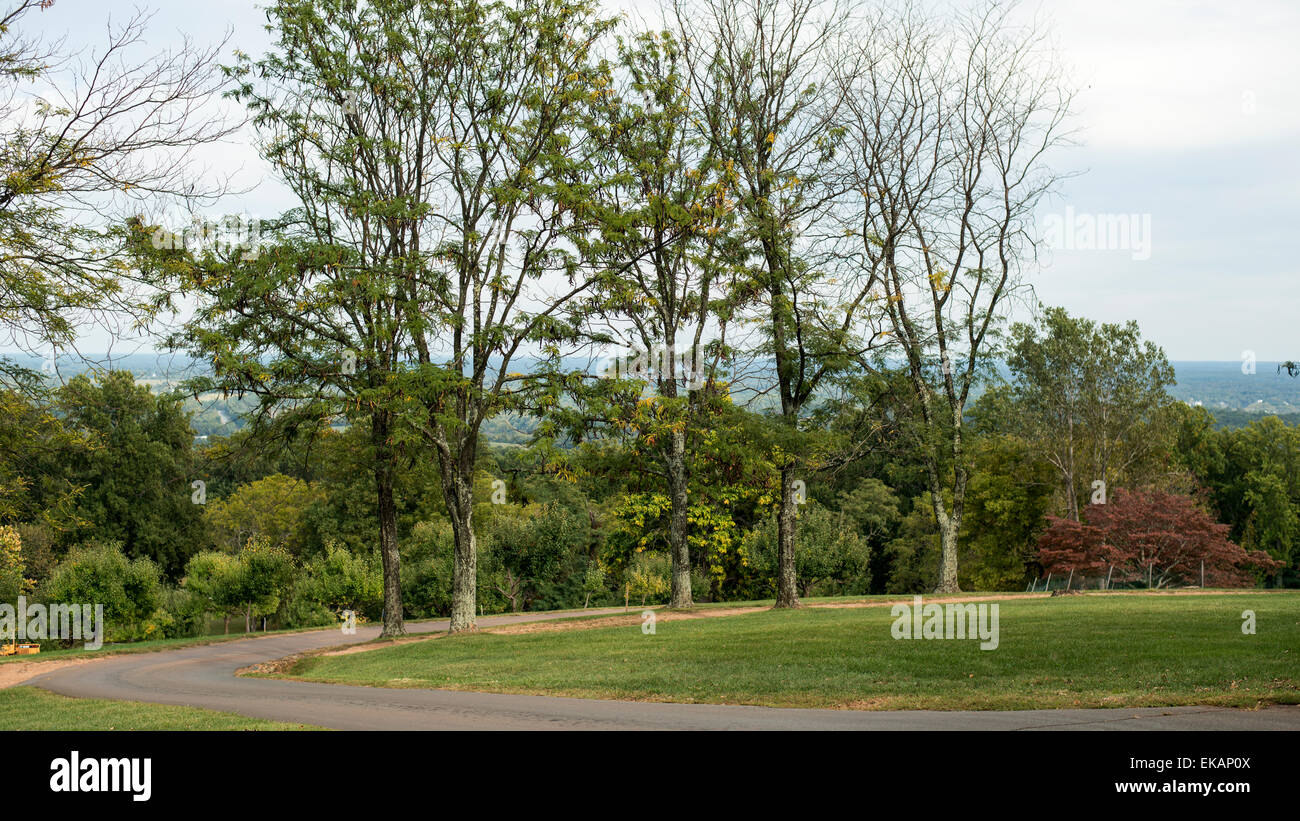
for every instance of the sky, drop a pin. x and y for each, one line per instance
(1188, 130)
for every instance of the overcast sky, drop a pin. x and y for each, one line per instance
(1189, 117)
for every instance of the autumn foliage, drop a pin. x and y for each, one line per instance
(1140, 530)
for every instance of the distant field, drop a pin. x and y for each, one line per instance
(1075, 651)
(27, 708)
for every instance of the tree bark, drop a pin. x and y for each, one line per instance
(386, 509)
(786, 587)
(948, 560)
(677, 528)
(464, 590)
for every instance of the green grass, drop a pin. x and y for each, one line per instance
(1077, 651)
(29, 708)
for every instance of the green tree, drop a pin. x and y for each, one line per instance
(215, 578)
(341, 580)
(130, 590)
(1089, 398)
(347, 105)
(834, 558)
(511, 160)
(667, 209)
(135, 478)
(270, 509)
(760, 73)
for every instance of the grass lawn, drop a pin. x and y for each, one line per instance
(28, 708)
(1072, 651)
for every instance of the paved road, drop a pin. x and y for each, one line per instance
(205, 677)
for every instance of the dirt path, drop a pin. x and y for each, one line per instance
(16, 672)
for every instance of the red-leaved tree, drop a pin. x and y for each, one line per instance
(1145, 532)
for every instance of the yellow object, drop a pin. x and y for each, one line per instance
(19, 649)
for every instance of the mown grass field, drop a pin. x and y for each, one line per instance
(28, 708)
(1071, 651)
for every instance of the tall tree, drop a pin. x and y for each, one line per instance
(948, 122)
(314, 325)
(759, 69)
(667, 210)
(510, 183)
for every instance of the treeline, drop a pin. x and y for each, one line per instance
(112, 504)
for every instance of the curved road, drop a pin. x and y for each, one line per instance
(205, 677)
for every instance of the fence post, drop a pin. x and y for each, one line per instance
(1069, 580)
(1047, 586)
(1108, 572)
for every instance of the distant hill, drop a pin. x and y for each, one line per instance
(1235, 398)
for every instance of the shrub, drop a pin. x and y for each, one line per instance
(130, 590)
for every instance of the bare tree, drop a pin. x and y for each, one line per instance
(949, 122)
(88, 142)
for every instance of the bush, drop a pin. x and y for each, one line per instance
(341, 580)
(647, 578)
(831, 557)
(130, 590)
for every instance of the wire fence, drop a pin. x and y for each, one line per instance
(1110, 580)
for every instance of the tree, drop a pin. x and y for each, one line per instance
(759, 71)
(647, 576)
(947, 127)
(664, 210)
(265, 575)
(86, 141)
(527, 545)
(35, 447)
(270, 508)
(340, 580)
(1153, 537)
(1089, 398)
(510, 171)
(833, 556)
(252, 581)
(1262, 488)
(315, 324)
(593, 582)
(215, 578)
(1010, 492)
(135, 477)
(12, 568)
(130, 589)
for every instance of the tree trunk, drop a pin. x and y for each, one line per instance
(464, 589)
(678, 541)
(386, 508)
(786, 588)
(227, 621)
(948, 560)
